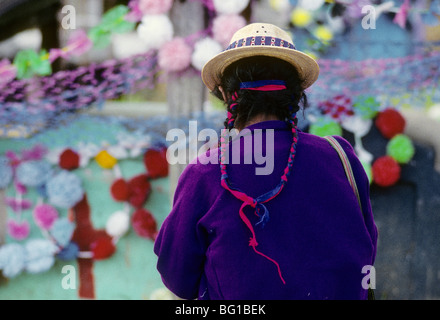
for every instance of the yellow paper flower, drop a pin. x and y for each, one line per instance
(323, 33)
(105, 160)
(301, 18)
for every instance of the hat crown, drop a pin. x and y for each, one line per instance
(261, 29)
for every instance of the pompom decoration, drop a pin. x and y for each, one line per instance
(5, 172)
(45, 215)
(301, 18)
(224, 27)
(175, 55)
(64, 190)
(105, 160)
(155, 30)
(368, 170)
(204, 50)
(230, 6)
(386, 171)
(118, 224)
(39, 255)
(69, 160)
(144, 224)
(12, 259)
(120, 190)
(33, 173)
(401, 148)
(140, 188)
(62, 231)
(155, 6)
(390, 123)
(69, 252)
(102, 248)
(156, 163)
(367, 107)
(324, 127)
(18, 230)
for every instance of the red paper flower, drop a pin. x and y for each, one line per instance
(156, 163)
(337, 107)
(69, 159)
(102, 248)
(144, 224)
(140, 189)
(390, 123)
(386, 171)
(120, 190)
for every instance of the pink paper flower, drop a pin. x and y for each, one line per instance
(7, 71)
(78, 44)
(402, 14)
(45, 215)
(175, 55)
(155, 6)
(225, 25)
(18, 230)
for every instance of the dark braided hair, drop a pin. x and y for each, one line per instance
(253, 87)
(249, 104)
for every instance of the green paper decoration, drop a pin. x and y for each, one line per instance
(366, 107)
(113, 21)
(368, 170)
(324, 127)
(29, 63)
(401, 148)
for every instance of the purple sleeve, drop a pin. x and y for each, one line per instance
(363, 185)
(181, 244)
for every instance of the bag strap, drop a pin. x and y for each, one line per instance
(347, 167)
(349, 172)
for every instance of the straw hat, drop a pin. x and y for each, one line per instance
(261, 39)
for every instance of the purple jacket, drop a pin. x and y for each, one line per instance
(316, 231)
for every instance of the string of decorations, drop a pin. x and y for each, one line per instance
(59, 189)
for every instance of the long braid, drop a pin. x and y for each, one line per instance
(257, 203)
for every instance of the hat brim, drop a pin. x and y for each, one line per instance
(307, 67)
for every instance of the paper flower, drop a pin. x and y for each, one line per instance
(366, 107)
(12, 259)
(301, 18)
(175, 55)
(120, 190)
(33, 173)
(5, 172)
(204, 50)
(7, 72)
(64, 190)
(311, 4)
(402, 14)
(102, 248)
(62, 231)
(155, 161)
(224, 26)
(325, 127)
(155, 30)
(39, 255)
(390, 122)
(155, 6)
(118, 224)
(18, 230)
(401, 148)
(69, 159)
(113, 21)
(45, 215)
(323, 33)
(78, 44)
(105, 160)
(29, 63)
(144, 224)
(230, 6)
(385, 171)
(140, 189)
(337, 107)
(18, 205)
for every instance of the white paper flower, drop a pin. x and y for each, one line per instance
(118, 224)
(155, 30)
(230, 6)
(204, 50)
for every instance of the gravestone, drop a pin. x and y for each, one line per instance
(407, 215)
